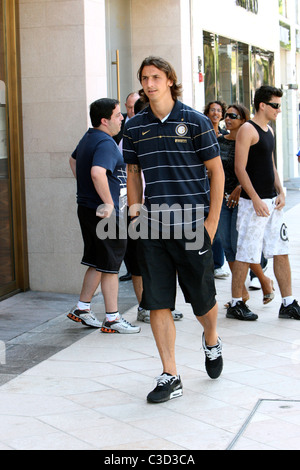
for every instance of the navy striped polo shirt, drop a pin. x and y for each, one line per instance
(171, 155)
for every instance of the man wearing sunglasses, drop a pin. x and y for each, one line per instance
(260, 222)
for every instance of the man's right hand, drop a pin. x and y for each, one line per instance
(104, 211)
(260, 207)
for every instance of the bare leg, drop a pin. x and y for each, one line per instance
(137, 282)
(164, 332)
(90, 284)
(209, 323)
(245, 294)
(239, 274)
(282, 271)
(110, 289)
(265, 281)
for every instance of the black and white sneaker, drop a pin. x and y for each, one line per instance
(213, 358)
(168, 387)
(291, 311)
(241, 312)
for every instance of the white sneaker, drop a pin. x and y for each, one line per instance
(144, 315)
(86, 317)
(219, 273)
(254, 284)
(119, 326)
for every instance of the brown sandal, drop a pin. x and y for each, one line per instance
(267, 298)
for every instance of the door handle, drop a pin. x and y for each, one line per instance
(117, 63)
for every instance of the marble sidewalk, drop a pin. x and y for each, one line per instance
(91, 394)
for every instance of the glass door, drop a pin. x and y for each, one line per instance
(13, 242)
(118, 39)
(7, 273)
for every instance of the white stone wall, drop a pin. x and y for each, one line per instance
(62, 52)
(162, 28)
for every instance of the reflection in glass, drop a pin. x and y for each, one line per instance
(224, 69)
(263, 70)
(243, 75)
(234, 70)
(209, 67)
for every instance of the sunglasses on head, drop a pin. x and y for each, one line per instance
(232, 116)
(274, 105)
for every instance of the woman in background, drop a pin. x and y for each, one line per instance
(215, 111)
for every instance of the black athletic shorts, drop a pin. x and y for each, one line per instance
(132, 256)
(104, 255)
(160, 263)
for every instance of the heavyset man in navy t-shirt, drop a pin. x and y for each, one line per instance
(100, 172)
(174, 146)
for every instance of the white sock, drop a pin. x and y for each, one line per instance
(287, 300)
(83, 305)
(112, 316)
(235, 300)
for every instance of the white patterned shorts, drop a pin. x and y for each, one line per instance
(260, 234)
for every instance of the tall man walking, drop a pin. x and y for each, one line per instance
(260, 221)
(174, 145)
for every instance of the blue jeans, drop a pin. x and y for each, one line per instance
(227, 231)
(218, 252)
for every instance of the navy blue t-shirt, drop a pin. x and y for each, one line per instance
(97, 148)
(171, 155)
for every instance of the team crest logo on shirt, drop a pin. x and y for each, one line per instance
(181, 130)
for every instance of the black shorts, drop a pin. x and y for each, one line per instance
(160, 263)
(132, 256)
(103, 255)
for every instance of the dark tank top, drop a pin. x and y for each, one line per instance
(260, 164)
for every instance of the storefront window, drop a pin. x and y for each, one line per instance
(244, 75)
(297, 40)
(210, 55)
(262, 67)
(283, 8)
(227, 66)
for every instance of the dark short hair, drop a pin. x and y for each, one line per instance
(139, 105)
(242, 110)
(220, 103)
(264, 94)
(166, 67)
(102, 108)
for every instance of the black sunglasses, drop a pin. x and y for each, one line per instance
(232, 116)
(274, 105)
